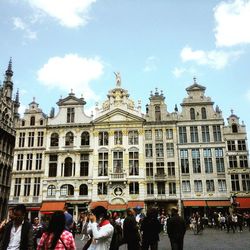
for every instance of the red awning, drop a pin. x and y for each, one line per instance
(218, 203)
(134, 204)
(52, 206)
(117, 207)
(243, 202)
(194, 203)
(95, 204)
(32, 208)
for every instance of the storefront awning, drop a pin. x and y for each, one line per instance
(52, 206)
(32, 208)
(194, 203)
(95, 204)
(117, 207)
(135, 204)
(218, 203)
(243, 202)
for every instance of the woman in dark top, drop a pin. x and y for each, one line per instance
(150, 227)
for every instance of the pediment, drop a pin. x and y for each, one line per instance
(118, 115)
(71, 100)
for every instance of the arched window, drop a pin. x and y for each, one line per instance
(68, 167)
(85, 139)
(67, 190)
(69, 139)
(203, 113)
(41, 122)
(83, 190)
(234, 128)
(51, 191)
(192, 114)
(32, 120)
(54, 140)
(23, 122)
(157, 113)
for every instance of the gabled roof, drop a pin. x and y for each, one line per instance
(71, 100)
(118, 115)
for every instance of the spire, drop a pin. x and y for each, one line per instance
(17, 96)
(9, 72)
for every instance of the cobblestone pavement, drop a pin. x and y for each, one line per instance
(210, 239)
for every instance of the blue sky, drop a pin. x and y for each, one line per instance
(59, 45)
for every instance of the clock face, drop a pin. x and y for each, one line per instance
(118, 191)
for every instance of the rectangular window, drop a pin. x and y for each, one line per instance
(133, 188)
(133, 163)
(102, 188)
(70, 115)
(186, 186)
(243, 161)
(171, 169)
(158, 134)
(84, 165)
(172, 188)
(27, 183)
(196, 160)
(17, 187)
(170, 149)
(169, 134)
(19, 165)
(222, 186)
(232, 161)
(103, 138)
(198, 186)
(159, 150)
(149, 150)
(184, 161)
(210, 185)
(133, 137)
(40, 139)
(235, 182)
(118, 162)
(103, 164)
(182, 135)
(118, 138)
(53, 165)
(148, 135)
(21, 140)
(205, 134)
(160, 169)
(231, 145)
(31, 139)
(194, 134)
(161, 188)
(217, 133)
(150, 188)
(149, 169)
(39, 161)
(207, 154)
(241, 145)
(29, 161)
(245, 182)
(37, 182)
(219, 160)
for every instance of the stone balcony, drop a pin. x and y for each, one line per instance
(118, 177)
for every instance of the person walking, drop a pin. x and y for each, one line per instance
(150, 227)
(18, 233)
(57, 237)
(176, 229)
(37, 231)
(131, 231)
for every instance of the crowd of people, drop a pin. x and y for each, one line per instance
(101, 230)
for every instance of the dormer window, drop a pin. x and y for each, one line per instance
(32, 121)
(234, 128)
(157, 113)
(203, 113)
(23, 122)
(70, 115)
(41, 122)
(192, 114)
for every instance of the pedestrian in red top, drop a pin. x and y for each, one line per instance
(56, 236)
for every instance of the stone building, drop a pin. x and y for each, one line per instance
(8, 118)
(123, 158)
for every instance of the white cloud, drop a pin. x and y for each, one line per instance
(178, 72)
(151, 64)
(72, 72)
(232, 23)
(70, 13)
(214, 58)
(21, 25)
(22, 109)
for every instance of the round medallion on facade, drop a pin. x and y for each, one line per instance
(118, 191)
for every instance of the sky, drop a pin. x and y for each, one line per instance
(59, 45)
